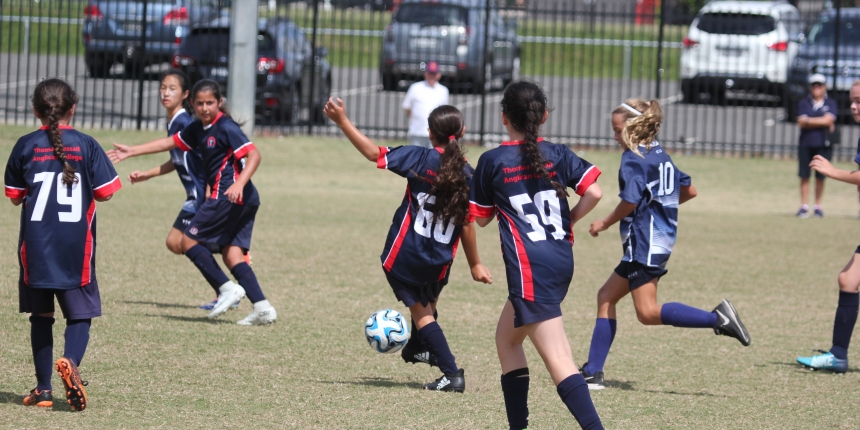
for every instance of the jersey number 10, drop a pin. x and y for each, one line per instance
(63, 197)
(667, 179)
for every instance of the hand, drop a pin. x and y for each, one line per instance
(137, 176)
(481, 274)
(234, 193)
(832, 128)
(119, 153)
(821, 165)
(335, 111)
(596, 227)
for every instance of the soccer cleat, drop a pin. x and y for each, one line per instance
(209, 306)
(42, 399)
(818, 213)
(802, 213)
(729, 323)
(825, 361)
(455, 383)
(594, 381)
(263, 317)
(76, 395)
(414, 356)
(231, 293)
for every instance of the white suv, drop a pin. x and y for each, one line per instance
(739, 45)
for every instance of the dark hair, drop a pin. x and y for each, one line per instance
(52, 100)
(183, 83)
(450, 187)
(524, 104)
(208, 85)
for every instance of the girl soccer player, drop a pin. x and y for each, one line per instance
(227, 217)
(59, 174)
(426, 229)
(651, 190)
(524, 184)
(836, 359)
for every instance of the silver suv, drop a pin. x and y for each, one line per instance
(450, 32)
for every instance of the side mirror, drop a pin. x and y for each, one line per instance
(321, 52)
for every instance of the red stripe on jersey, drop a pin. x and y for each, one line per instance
(86, 273)
(107, 189)
(15, 193)
(218, 176)
(235, 177)
(523, 259)
(382, 160)
(518, 142)
(177, 139)
(62, 127)
(217, 117)
(448, 266)
(587, 180)
(245, 149)
(404, 227)
(24, 262)
(479, 211)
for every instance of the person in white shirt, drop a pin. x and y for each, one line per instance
(421, 98)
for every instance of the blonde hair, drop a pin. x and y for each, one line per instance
(640, 129)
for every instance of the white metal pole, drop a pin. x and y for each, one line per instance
(242, 75)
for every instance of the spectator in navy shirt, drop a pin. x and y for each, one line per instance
(817, 117)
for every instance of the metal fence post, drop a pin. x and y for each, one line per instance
(135, 67)
(311, 94)
(483, 70)
(628, 53)
(27, 36)
(836, 70)
(660, 51)
(242, 77)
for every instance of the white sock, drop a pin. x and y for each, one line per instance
(227, 286)
(262, 305)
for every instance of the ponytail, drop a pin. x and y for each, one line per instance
(451, 187)
(641, 128)
(52, 100)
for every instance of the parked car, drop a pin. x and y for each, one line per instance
(365, 4)
(284, 58)
(113, 29)
(816, 56)
(739, 45)
(450, 32)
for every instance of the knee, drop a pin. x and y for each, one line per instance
(604, 297)
(649, 315)
(846, 283)
(174, 246)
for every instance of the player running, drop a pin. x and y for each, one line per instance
(523, 183)
(426, 229)
(59, 174)
(836, 359)
(227, 217)
(651, 190)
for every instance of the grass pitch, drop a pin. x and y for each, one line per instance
(154, 359)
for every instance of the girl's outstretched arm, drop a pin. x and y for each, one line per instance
(138, 176)
(470, 246)
(821, 165)
(687, 193)
(336, 111)
(121, 152)
(623, 209)
(586, 203)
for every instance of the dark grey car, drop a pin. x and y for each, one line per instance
(450, 32)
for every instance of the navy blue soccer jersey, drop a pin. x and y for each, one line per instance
(418, 250)
(534, 223)
(653, 184)
(223, 146)
(188, 164)
(57, 241)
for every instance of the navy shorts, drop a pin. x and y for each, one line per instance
(638, 274)
(804, 157)
(526, 312)
(857, 251)
(410, 294)
(183, 220)
(77, 304)
(223, 223)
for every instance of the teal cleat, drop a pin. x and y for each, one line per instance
(825, 361)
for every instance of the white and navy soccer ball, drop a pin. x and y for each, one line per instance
(387, 331)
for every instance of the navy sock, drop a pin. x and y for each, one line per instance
(42, 341)
(205, 262)
(434, 339)
(681, 315)
(601, 341)
(77, 338)
(843, 326)
(515, 388)
(248, 280)
(414, 342)
(574, 393)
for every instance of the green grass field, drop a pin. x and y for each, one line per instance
(154, 359)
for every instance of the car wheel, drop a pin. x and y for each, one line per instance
(515, 72)
(388, 82)
(133, 69)
(689, 92)
(318, 117)
(98, 65)
(790, 106)
(292, 111)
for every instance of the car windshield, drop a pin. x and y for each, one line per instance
(736, 23)
(824, 31)
(431, 14)
(218, 39)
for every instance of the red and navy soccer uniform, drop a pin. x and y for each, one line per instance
(189, 168)
(418, 251)
(534, 223)
(223, 146)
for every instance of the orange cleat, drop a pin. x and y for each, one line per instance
(248, 257)
(76, 395)
(42, 399)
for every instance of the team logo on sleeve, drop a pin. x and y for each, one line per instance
(210, 142)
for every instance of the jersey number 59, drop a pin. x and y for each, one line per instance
(549, 208)
(63, 197)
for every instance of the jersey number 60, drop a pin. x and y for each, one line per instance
(424, 222)
(63, 197)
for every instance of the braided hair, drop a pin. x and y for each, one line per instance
(52, 100)
(451, 187)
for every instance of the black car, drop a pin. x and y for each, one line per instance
(284, 59)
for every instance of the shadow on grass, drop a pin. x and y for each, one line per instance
(159, 305)
(630, 386)
(375, 382)
(190, 319)
(17, 399)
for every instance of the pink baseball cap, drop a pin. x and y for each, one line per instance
(431, 67)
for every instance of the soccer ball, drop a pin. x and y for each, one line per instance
(387, 331)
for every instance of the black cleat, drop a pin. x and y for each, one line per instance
(594, 381)
(413, 356)
(729, 323)
(455, 383)
(42, 399)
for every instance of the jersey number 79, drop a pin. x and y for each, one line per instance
(63, 197)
